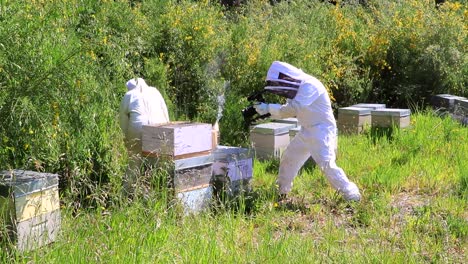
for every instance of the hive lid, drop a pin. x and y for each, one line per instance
(391, 112)
(291, 120)
(272, 128)
(445, 100)
(354, 110)
(23, 182)
(227, 153)
(449, 96)
(370, 106)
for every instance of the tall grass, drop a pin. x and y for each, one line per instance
(414, 210)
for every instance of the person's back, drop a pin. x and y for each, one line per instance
(155, 106)
(141, 105)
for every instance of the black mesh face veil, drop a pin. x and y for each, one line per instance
(283, 76)
(284, 86)
(282, 91)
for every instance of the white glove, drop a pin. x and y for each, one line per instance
(261, 108)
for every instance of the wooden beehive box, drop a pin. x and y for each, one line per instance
(353, 120)
(232, 171)
(269, 140)
(178, 139)
(390, 117)
(29, 208)
(370, 106)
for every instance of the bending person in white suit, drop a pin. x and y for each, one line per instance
(308, 100)
(141, 105)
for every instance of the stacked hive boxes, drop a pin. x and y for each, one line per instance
(270, 139)
(353, 120)
(232, 171)
(185, 149)
(29, 208)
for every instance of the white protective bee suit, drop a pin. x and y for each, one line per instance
(309, 102)
(141, 105)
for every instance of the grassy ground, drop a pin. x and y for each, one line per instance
(414, 210)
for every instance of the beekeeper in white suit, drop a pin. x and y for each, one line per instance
(141, 105)
(309, 102)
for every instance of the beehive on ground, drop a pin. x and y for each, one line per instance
(445, 102)
(353, 120)
(461, 107)
(390, 117)
(232, 171)
(29, 208)
(269, 140)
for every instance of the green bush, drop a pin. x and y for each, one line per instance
(416, 51)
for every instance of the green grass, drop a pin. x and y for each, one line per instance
(414, 210)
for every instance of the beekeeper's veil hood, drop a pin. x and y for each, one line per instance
(283, 79)
(136, 82)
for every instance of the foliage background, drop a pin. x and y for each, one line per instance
(63, 66)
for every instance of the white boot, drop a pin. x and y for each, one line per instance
(352, 193)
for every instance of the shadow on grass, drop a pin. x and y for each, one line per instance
(272, 166)
(381, 133)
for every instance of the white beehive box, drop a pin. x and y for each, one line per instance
(353, 120)
(370, 106)
(29, 208)
(177, 139)
(390, 117)
(232, 171)
(270, 139)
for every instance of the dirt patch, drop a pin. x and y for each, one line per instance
(407, 202)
